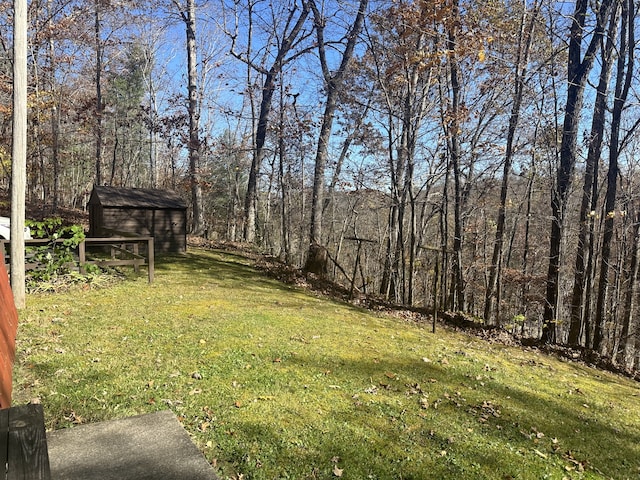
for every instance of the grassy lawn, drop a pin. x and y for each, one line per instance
(272, 382)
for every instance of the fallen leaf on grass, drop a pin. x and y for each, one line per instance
(577, 465)
(540, 454)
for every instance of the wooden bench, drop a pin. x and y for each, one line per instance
(23, 444)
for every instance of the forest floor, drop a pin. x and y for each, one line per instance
(40, 211)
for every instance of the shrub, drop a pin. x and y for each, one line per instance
(57, 256)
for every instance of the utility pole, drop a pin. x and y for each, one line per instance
(19, 151)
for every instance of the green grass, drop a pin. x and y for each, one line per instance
(272, 382)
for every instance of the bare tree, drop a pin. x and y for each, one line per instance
(579, 66)
(98, 85)
(624, 77)
(316, 258)
(188, 15)
(522, 58)
(287, 41)
(590, 187)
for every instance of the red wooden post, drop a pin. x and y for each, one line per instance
(8, 328)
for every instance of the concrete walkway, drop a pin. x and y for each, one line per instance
(147, 447)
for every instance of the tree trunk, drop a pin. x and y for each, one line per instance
(99, 101)
(577, 74)
(590, 188)
(271, 75)
(457, 281)
(527, 243)
(251, 198)
(55, 121)
(197, 222)
(624, 76)
(524, 44)
(283, 185)
(333, 84)
(625, 338)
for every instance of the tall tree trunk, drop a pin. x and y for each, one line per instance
(388, 284)
(333, 83)
(624, 77)
(453, 126)
(283, 184)
(589, 189)
(445, 302)
(99, 101)
(630, 291)
(577, 74)
(189, 19)
(414, 108)
(271, 75)
(251, 198)
(522, 59)
(527, 242)
(55, 118)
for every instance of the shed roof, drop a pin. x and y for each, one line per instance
(136, 198)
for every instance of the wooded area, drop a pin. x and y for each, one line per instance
(477, 156)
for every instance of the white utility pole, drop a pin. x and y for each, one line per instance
(19, 151)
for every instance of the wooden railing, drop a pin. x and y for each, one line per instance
(122, 251)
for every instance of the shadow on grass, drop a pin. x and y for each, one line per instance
(608, 448)
(505, 414)
(229, 270)
(71, 402)
(232, 270)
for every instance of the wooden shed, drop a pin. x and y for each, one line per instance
(162, 214)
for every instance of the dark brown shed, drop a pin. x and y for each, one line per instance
(162, 214)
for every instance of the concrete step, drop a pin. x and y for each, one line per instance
(154, 446)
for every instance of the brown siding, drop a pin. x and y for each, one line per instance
(126, 221)
(170, 230)
(95, 220)
(168, 227)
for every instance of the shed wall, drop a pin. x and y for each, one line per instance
(168, 227)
